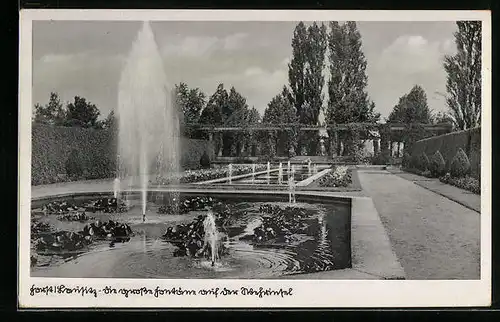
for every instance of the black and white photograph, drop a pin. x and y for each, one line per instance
(254, 159)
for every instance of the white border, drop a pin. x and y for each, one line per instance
(310, 293)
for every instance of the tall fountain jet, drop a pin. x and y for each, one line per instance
(148, 136)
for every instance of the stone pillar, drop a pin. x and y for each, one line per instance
(376, 146)
(211, 142)
(221, 144)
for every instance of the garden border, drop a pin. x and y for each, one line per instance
(422, 183)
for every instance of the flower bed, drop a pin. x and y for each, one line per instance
(58, 207)
(61, 241)
(174, 206)
(107, 205)
(190, 238)
(340, 176)
(467, 183)
(38, 228)
(279, 224)
(200, 175)
(81, 217)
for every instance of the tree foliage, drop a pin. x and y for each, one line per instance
(110, 122)
(280, 111)
(305, 76)
(229, 109)
(212, 114)
(82, 113)
(463, 69)
(348, 101)
(411, 108)
(296, 67)
(190, 101)
(53, 113)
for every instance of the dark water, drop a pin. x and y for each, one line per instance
(325, 246)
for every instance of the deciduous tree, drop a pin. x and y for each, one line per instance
(348, 100)
(53, 113)
(82, 113)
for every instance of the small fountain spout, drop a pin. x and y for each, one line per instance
(280, 174)
(211, 237)
(268, 171)
(291, 187)
(116, 187)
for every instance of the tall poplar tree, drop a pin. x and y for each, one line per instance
(348, 101)
(306, 77)
(463, 83)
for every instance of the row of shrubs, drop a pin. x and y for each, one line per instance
(458, 173)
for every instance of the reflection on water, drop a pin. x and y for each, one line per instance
(324, 246)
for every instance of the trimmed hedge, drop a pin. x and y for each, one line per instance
(449, 144)
(52, 146)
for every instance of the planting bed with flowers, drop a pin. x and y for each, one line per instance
(106, 205)
(457, 174)
(185, 205)
(190, 238)
(199, 175)
(280, 224)
(340, 176)
(46, 240)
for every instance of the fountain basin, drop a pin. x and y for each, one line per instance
(370, 252)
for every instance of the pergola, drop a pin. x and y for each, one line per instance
(335, 128)
(446, 127)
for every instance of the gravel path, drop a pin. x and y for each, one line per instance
(433, 237)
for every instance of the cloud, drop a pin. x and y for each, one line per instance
(193, 46)
(285, 61)
(88, 74)
(258, 85)
(407, 61)
(254, 71)
(413, 54)
(235, 41)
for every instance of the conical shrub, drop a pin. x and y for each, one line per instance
(423, 162)
(437, 165)
(460, 165)
(414, 161)
(406, 160)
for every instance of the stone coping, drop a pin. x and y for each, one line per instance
(312, 178)
(372, 256)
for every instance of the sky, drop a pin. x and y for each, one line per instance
(85, 58)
